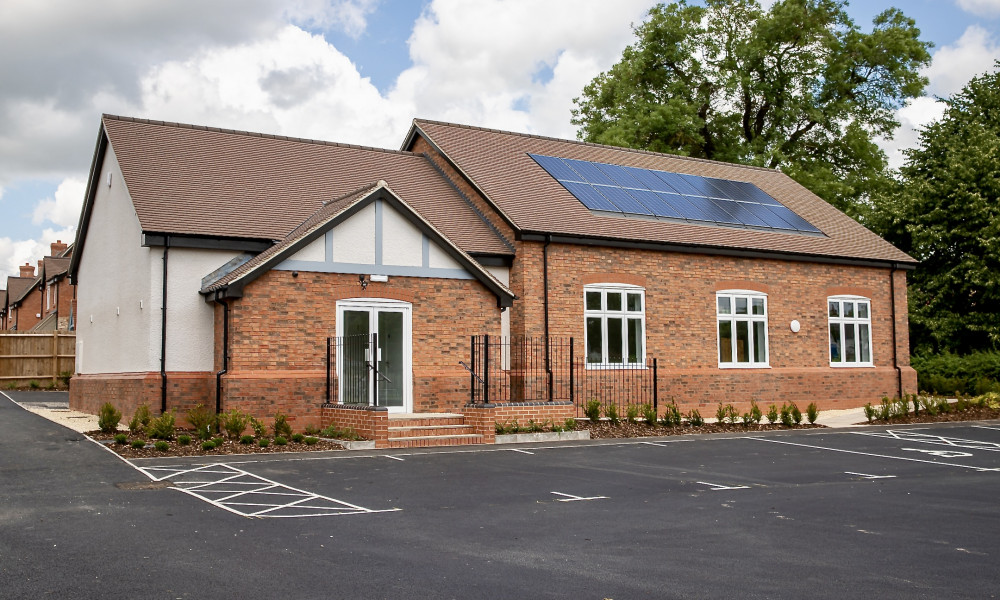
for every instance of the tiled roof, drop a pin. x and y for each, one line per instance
(55, 266)
(498, 163)
(3, 300)
(202, 181)
(19, 287)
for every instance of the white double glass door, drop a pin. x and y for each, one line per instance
(384, 373)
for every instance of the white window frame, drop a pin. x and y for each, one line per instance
(732, 317)
(624, 314)
(854, 322)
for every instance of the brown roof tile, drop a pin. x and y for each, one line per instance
(186, 179)
(19, 287)
(55, 266)
(498, 163)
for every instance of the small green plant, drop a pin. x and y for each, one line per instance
(916, 404)
(208, 445)
(694, 418)
(648, 414)
(611, 412)
(332, 431)
(50, 385)
(570, 424)
(218, 441)
(731, 414)
(721, 413)
(184, 439)
(631, 413)
(121, 438)
(929, 405)
(902, 407)
(812, 413)
(298, 437)
(139, 443)
(246, 440)
(263, 442)
(870, 412)
(943, 405)
(64, 377)
(234, 422)
(755, 413)
(885, 409)
(796, 413)
(786, 415)
(961, 404)
(108, 418)
(33, 384)
(162, 427)
(772, 414)
(161, 445)
(140, 420)
(534, 427)
(310, 440)
(311, 430)
(281, 427)
(592, 410)
(747, 419)
(280, 440)
(202, 421)
(11, 386)
(258, 427)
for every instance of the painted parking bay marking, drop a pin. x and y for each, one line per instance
(718, 486)
(249, 495)
(572, 498)
(867, 476)
(941, 453)
(927, 438)
(929, 462)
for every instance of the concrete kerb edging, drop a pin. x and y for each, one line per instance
(548, 436)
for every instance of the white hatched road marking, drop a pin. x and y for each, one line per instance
(718, 486)
(249, 495)
(867, 476)
(572, 498)
(927, 438)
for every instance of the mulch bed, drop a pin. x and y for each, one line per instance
(973, 413)
(605, 430)
(194, 448)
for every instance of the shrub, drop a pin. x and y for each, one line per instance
(201, 421)
(259, 430)
(631, 413)
(311, 430)
(64, 377)
(747, 419)
(218, 442)
(772, 414)
(281, 427)
(961, 404)
(332, 431)
(975, 373)
(162, 427)
(592, 410)
(534, 427)
(755, 414)
(234, 422)
(929, 405)
(570, 424)
(671, 416)
(786, 415)
(140, 443)
(796, 413)
(916, 404)
(870, 412)
(611, 412)
(943, 405)
(310, 440)
(720, 413)
(812, 413)
(902, 407)
(161, 445)
(140, 419)
(885, 410)
(298, 437)
(280, 440)
(648, 414)
(184, 439)
(108, 418)
(695, 419)
(208, 445)
(121, 438)
(33, 384)
(263, 442)
(246, 439)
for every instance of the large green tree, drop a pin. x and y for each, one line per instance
(945, 212)
(797, 87)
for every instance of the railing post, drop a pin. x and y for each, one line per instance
(486, 369)
(655, 383)
(572, 368)
(472, 372)
(329, 345)
(374, 354)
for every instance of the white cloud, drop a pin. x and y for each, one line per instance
(954, 65)
(982, 8)
(63, 208)
(14, 253)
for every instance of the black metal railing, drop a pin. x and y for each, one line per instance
(536, 369)
(352, 369)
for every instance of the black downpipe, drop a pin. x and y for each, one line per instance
(545, 286)
(163, 330)
(225, 356)
(895, 350)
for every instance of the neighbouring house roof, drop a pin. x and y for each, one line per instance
(499, 165)
(3, 301)
(19, 287)
(203, 181)
(338, 210)
(55, 266)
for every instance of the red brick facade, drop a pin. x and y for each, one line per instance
(126, 391)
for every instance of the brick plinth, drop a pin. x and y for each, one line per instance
(484, 417)
(370, 422)
(296, 394)
(127, 391)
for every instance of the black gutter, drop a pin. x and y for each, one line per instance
(163, 331)
(895, 350)
(225, 355)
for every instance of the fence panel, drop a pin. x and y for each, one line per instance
(41, 357)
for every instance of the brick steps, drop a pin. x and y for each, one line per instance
(416, 431)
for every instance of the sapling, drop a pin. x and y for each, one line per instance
(772, 414)
(108, 418)
(812, 413)
(611, 412)
(755, 414)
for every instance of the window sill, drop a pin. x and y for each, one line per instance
(741, 366)
(852, 365)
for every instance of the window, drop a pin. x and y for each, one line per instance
(615, 325)
(850, 331)
(742, 319)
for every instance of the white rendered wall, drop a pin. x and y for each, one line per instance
(354, 239)
(503, 274)
(441, 260)
(402, 242)
(314, 252)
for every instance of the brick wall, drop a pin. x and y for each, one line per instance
(484, 417)
(370, 422)
(126, 391)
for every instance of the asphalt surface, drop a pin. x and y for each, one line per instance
(908, 513)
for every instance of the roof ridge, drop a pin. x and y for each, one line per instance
(270, 136)
(592, 144)
(364, 188)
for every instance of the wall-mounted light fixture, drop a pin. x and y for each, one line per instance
(363, 282)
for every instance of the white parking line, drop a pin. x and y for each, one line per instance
(572, 498)
(521, 451)
(718, 486)
(235, 490)
(867, 476)
(930, 462)
(926, 438)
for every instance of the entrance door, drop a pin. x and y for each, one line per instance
(371, 376)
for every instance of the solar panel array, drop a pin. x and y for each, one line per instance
(672, 196)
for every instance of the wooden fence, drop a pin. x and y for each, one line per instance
(41, 357)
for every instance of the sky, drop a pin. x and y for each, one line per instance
(353, 71)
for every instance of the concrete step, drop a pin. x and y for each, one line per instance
(429, 430)
(425, 420)
(424, 441)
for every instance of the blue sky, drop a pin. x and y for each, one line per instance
(345, 70)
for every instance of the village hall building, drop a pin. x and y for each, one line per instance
(355, 285)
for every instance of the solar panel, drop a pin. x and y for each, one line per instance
(672, 196)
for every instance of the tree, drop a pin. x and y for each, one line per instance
(945, 212)
(798, 87)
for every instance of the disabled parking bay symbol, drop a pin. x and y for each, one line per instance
(941, 453)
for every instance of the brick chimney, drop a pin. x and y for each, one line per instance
(41, 266)
(27, 270)
(58, 247)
